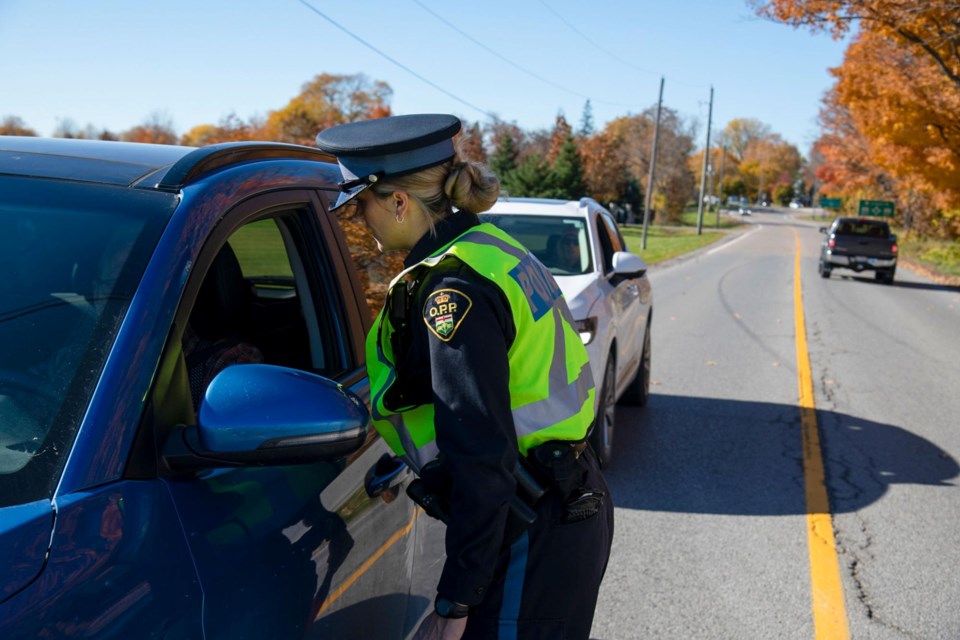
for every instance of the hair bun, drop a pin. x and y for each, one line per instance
(471, 186)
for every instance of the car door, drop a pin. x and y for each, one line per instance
(627, 315)
(285, 551)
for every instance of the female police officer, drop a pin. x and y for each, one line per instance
(481, 384)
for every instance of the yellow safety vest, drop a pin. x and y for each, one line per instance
(551, 386)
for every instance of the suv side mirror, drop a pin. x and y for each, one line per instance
(264, 415)
(627, 266)
(824, 230)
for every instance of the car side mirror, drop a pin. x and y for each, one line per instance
(265, 415)
(627, 266)
(824, 230)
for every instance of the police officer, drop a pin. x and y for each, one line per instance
(482, 385)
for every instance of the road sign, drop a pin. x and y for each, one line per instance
(830, 203)
(879, 208)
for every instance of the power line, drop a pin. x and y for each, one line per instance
(606, 51)
(394, 61)
(512, 63)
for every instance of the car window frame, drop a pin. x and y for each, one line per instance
(322, 252)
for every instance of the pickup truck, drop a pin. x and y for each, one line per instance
(861, 245)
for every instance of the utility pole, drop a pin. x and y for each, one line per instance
(653, 164)
(703, 175)
(723, 156)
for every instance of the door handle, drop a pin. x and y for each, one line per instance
(388, 472)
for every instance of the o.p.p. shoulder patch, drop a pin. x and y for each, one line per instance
(444, 310)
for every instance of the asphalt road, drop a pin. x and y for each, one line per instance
(711, 520)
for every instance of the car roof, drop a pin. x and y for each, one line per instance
(543, 206)
(151, 166)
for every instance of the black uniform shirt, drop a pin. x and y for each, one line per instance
(461, 329)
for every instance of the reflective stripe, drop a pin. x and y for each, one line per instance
(558, 366)
(560, 406)
(513, 588)
(480, 237)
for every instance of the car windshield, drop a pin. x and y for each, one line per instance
(69, 276)
(560, 243)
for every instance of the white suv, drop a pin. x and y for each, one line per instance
(606, 288)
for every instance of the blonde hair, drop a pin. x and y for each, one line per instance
(466, 185)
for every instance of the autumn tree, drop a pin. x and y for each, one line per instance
(605, 171)
(156, 129)
(325, 101)
(561, 132)
(930, 28)
(15, 126)
(673, 181)
(740, 133)
(231, 128)
(470, 143)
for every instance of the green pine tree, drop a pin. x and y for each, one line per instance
(587, 128)
(503, 162)
(532, 179)
(566, 174)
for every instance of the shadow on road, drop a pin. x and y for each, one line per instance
(903, 284)
(704, 455)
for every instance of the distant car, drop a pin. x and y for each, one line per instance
(794, 204)
(744, 211)
(184, 447)
(606, 288)
(859, 244)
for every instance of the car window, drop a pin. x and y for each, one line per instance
(69, 276)
(561, 243)
(607, 246)
(260, 303)
(616, 239)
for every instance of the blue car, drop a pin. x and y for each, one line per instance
(185, 448)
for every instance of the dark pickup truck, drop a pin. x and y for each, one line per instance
(861, 245)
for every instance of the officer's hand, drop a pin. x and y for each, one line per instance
(436, 628)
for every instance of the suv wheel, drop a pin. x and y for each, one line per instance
(601, 435)
(638, 392)
(823, 269)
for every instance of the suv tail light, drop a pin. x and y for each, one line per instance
(831, 243)
(894, 248)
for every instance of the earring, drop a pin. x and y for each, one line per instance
(399, 218)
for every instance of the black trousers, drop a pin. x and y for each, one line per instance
(547, 580)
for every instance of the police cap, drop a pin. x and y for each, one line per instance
(371, 150)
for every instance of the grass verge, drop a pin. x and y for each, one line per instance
(664, 243)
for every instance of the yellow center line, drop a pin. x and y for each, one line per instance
(356, 575)
(829, 615)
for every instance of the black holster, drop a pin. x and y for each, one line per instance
(565, 466)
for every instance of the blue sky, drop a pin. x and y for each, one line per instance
(112, 63)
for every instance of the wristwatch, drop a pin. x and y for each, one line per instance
(450, 609)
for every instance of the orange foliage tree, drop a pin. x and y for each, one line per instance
(930, 27)
(230, 129)
(896, 102)
(15, 126)
(156, 129)
(325, 101)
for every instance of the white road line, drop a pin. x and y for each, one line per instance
(733, 242)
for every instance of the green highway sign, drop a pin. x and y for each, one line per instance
(879, 208)
(830, 203)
